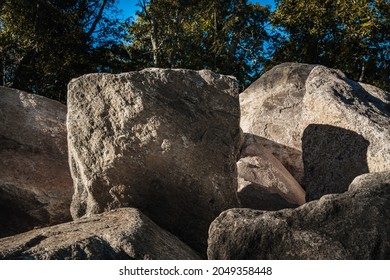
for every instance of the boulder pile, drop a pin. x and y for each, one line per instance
(176, 164)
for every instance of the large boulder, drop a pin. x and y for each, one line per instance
(35, 182)
(271, 107)
(164, 141)
(283, 104)
(120, 234)
(351, 225)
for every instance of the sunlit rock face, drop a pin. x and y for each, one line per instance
(164, 141)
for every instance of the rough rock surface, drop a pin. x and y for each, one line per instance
(371, 179)
(290, 158)
(256, 196)
(35, 183)
(271, 107)
(120, 234)
(163, 141)
(286, 100)
(332, 157)
(264, 183)
(351, 225)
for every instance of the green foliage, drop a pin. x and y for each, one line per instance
(225, 36)
(351, 35)
(44, 44)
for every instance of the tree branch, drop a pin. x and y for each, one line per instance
(97, 19)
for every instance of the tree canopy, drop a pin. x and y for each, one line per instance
(351, 35)
(225, 36)
(45, 43)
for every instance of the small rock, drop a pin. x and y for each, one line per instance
(264, 183)
(289, 157)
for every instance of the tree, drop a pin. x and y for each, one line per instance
(224, 36)
(45, 43)
(351, 35)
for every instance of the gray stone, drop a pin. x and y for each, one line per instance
(370, 179)
(286, 102)
(35, 182)
(351, 225)
(163, 141)
(332, 157)
(255, 196)
(272, 106)
(120, 234)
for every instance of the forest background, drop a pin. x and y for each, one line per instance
(46, 43)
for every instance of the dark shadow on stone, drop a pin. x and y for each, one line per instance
(332, 158)
(14, 212)
(257, 197)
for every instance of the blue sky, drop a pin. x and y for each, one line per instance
(129, 6)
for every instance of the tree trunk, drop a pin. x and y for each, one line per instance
(97, 19)
(154, 32)
(154, 40)
(362, 73)
(176, 36)
(3, 78)
(215, 35)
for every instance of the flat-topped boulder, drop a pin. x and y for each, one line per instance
(164, 141)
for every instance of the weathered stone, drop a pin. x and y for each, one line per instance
(255, 196)
(351, 225)
(285, 101)
(346, 104)
(120, 234)
(35, 183)
(332, 157)
(264, 183)
(290, 158)
(272, 106)
(164, 141)
(370, 179)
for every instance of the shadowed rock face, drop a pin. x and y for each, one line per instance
(289, 100)
(163, 141)
(351, 225)
(332, 158)
(35, 182)
(120, 234)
